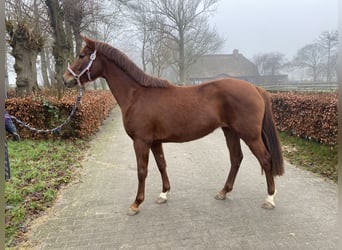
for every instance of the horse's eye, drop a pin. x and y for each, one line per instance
(81, 56)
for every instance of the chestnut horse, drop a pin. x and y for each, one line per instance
(155, 111)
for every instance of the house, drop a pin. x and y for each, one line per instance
(210, 67)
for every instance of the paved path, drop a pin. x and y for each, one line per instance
(91, 214)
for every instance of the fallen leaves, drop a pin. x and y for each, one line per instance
(312, 116)
(46, 112)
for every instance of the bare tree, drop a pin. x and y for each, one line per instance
(59, 23)
(181, 26)
(329, 41)
(260, 61)
(62, 47)
(275, 62)
(80, 15)
(311, 57)
(188, 29)
(26, 40)
(156, 52)
(103, 21)
(74, 13)
(269, 63)
(139, 14)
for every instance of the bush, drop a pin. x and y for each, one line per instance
(45, 112)
(310, 116)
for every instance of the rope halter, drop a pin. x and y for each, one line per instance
(86, 69)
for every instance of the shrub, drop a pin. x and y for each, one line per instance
(45, 112)
(311, 116)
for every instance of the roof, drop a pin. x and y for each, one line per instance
(216, 65)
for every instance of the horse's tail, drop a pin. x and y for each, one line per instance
(270, 137)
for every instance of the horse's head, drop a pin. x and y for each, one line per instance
(85, 67)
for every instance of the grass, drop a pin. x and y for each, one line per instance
(38, 170)
(310, 155)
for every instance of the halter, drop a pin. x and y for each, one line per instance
(86, 69)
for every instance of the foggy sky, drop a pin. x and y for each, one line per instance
(262, 26)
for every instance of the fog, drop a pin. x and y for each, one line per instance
(261, 26)
(258, 26)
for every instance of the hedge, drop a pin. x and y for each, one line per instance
(45, 112)
(310, 116)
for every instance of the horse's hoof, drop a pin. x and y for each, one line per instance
(267, 205)
(133, 211)
(160, 200)
(269, 201)
(220, 196)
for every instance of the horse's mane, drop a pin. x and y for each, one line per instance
(129, 67)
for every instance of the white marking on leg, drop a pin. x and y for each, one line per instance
(163, 195)
(270, 198)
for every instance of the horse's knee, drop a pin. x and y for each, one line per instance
(142, 174)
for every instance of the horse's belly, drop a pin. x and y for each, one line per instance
(189, 132)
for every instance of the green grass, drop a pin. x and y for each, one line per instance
(310, 155)
(38, 169)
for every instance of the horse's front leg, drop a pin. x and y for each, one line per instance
(141, 152)
(158, 154)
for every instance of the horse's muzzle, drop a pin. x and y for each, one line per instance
(69, 82)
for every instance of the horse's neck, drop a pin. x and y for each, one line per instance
(122, 86)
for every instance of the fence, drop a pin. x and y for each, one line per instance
(301, 86)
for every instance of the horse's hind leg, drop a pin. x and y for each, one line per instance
(158, 153)
(259, 150)
(234, 146)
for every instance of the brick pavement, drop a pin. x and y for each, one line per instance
(91, 214)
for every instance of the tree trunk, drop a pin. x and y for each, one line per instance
(26, 44)
(25, 67)
(73, 15)
(328, 63)
(143, 50)
(95, 85)
(7, 86)
(78, 39)
(61, 48)
(181, 63)
(50, 67)
(103, 84)
(314, 70)
(44, 67)
(33, 65)
(69, 40)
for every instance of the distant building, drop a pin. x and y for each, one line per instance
(210, 67)
(216, 66)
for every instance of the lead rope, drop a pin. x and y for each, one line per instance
(58, 128)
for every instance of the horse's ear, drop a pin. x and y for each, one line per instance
(90, 43)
